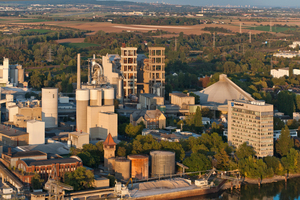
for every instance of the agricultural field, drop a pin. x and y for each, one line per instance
(274, 28)
(79, 45)
(36, 31)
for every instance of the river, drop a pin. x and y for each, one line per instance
(270, 191)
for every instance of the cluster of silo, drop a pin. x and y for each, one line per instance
(49, 107)
(162, 163)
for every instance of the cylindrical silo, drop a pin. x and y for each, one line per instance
(111, 164)
(99, 97)
(139, 166)
(108, 96)
(82, 102)
(93, 97)
(120, 89)
(122, 168)
(49, 107)
(162, 163)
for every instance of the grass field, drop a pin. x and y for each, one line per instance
(30, 20)
(79, 45)
(274, 28)
(40, 31)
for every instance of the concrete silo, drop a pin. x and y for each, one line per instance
(162, 163)
(108, 96)
(49, 107)
(94, 97)
(122, 168)
(82, 102)
(139, 166)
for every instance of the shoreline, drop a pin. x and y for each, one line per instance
(274, 179)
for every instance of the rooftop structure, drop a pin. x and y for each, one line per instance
(221, 92)
(150, 101)
(12, 137)
(78, 139)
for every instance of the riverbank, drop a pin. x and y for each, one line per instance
(274, 179)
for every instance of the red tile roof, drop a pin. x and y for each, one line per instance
(109, 140)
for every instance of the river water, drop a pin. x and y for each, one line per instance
(270, 191)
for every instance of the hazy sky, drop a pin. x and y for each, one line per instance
(273, 3)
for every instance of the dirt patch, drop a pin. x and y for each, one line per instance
(71, 40)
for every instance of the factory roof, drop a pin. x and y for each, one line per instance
(54, 148)
(11, 132)
(109, 140)
(222, 91)
(148, 95)
(180, 94)
(50, 161)
(27, 154)
(77, 133)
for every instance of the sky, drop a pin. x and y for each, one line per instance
(267, 3)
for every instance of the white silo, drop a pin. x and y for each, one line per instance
(108, 96)
(99, 97)
(49, 107)
(36, 132)
(93, 97)
(82, 102)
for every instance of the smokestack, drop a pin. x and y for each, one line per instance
(78, 72)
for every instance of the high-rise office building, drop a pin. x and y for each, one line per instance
(251, 122)
(129, 70)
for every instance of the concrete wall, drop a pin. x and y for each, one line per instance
(109, 123)
(36, 131)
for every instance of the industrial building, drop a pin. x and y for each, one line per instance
(251, 122)
(162, 163)
(277, 73)
(218, 94)
(12, 137)
(150, 101)
(129, 70)
(36, 132)
(78, 139)
(182, 100)
(50, 107)
(11, 75)
(22, 111)
(154, 72)
(153, 119)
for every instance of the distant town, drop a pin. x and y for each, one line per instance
(125, 100)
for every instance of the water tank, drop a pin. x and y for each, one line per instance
(162, 163)
(82, 102)
(139, 166)
(108, 96)
(93, 97)
(49, 107)
(122, 168)
(111, 164)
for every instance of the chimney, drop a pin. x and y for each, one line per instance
(78, 72)
(9, 151)
(123, 45)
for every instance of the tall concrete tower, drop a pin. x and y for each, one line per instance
(49, 107)
(82, 102)
(109, 147)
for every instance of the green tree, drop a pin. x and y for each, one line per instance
(284, 142)
(244, 151)
(121, 152)
(80, 179)
(197, 162)
(222, 160)
(275, 164)
(36, 181)
(278, 123)
(198, 117)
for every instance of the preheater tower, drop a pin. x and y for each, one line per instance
(49, 107)
(82, 102)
